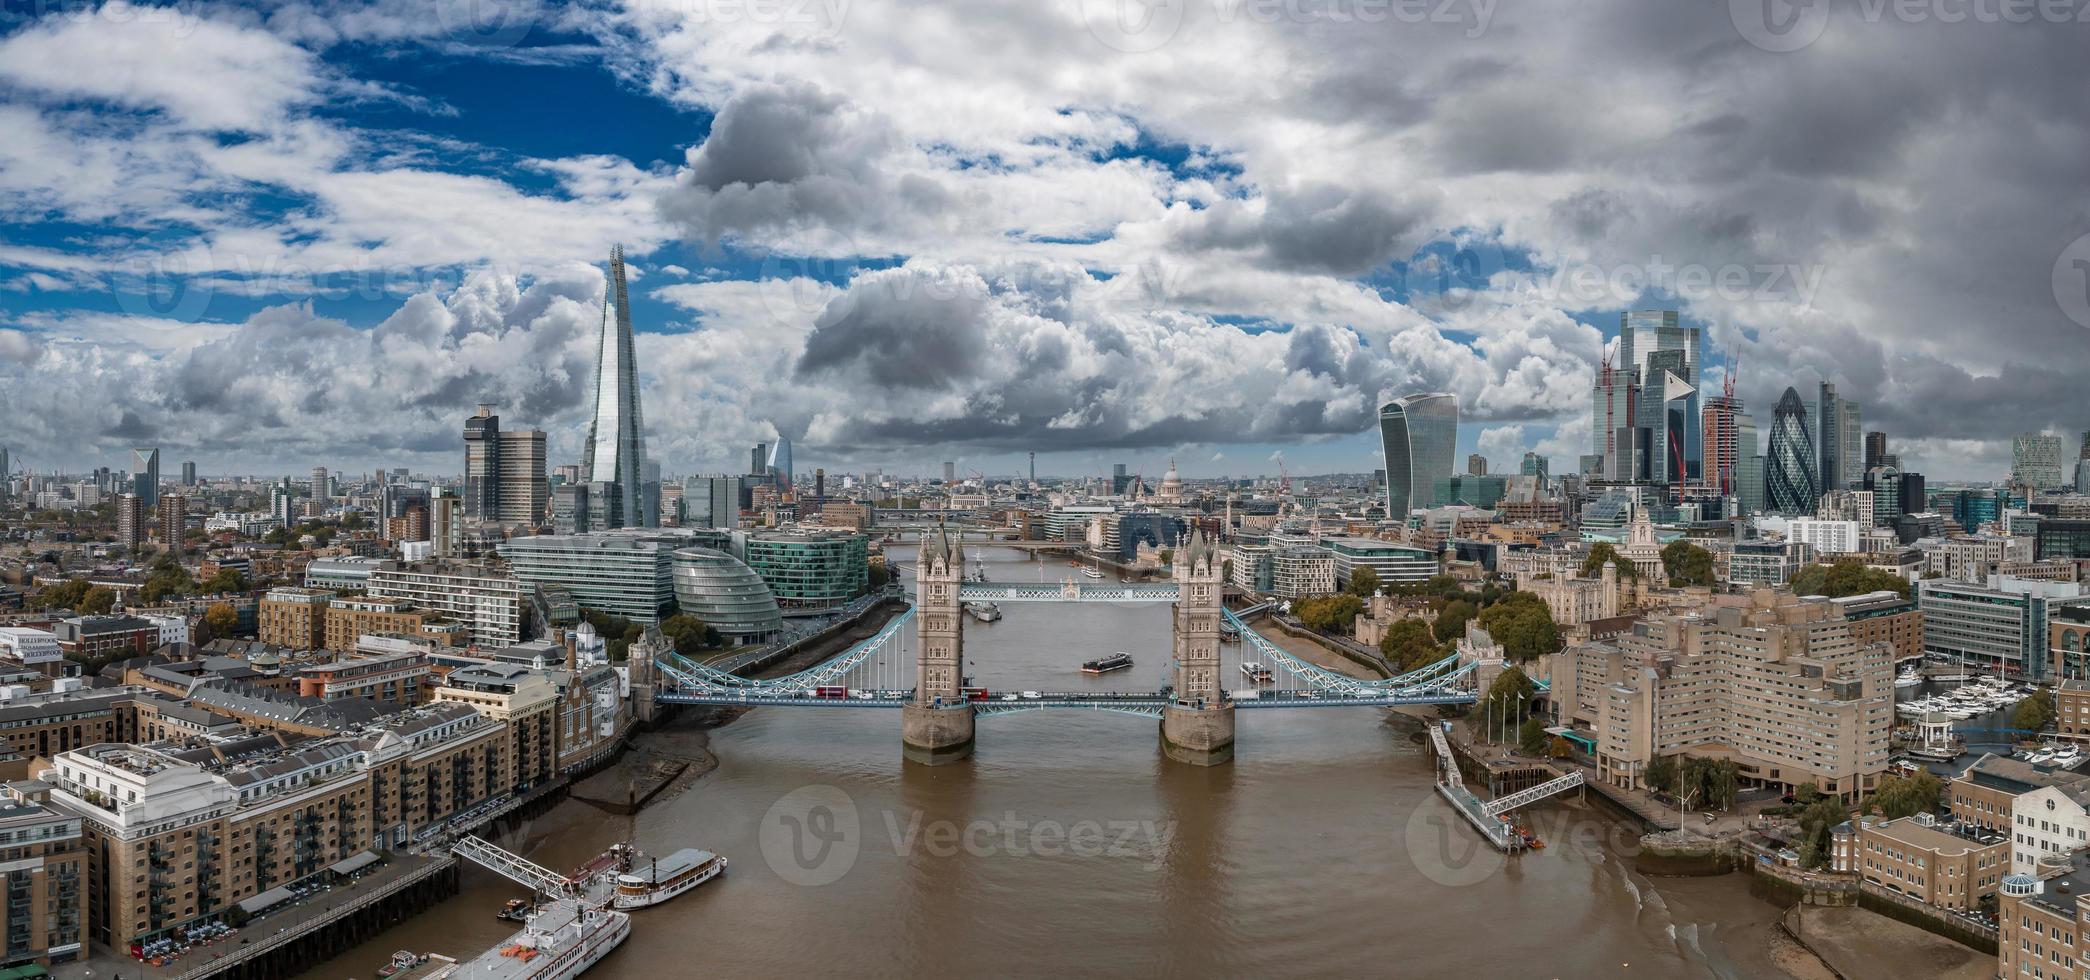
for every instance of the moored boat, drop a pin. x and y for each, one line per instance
(651, 881)
(561, 941)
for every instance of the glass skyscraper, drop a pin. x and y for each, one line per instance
(1790, 483)
(1641, 333)
(1419, 434)
(616, 447)
(145, 475)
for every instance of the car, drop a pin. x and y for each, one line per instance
(1009, 697)
(1031, 695)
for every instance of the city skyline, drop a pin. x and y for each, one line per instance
(819, 251)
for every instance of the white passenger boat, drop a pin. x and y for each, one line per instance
(561, 941)
(651, 881)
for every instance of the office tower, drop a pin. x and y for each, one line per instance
(758, 460)
(482, 462)
(188, 473)
(711, 501)
(570, 508)
(130, 522)
(1419, 435)
(649, 496)
(2035, 461)
(524, 493)
(1748, 467)
(616, 447)
(5, 485)
(780, 461)
(1641, 335)
(1533, 465)
(1875, 449)
(950, 472)
(174, 519)
(1033, 468)
(819, 484)
(283, 506)
(1790, 484)
(322, 488)
(1119, 480)
(1851, 448)
(1476, 464)
(1667, 407)
(145, 475)
(2085, 455)
(1824, 414)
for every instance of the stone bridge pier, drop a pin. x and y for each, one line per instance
(936, 728)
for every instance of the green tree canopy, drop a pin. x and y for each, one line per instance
(1409, 645)
(2034, 713)
(1452, 619)
(1363, 582)
(1846, 577)
(1902, 796)
(1523, 624)
(1687, 564)
(1509, 696)
(1531, 736)
(1661, 773)
(689, 634)
(65, 595)
(1816, 820)
(225, 581)
(98, 601)
(1602, 552)
(1329, 613)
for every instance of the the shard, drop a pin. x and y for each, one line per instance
(616, 450)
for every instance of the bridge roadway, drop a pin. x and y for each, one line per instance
(1003, 702)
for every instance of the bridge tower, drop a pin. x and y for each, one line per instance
(1198, 728)
(937, 726)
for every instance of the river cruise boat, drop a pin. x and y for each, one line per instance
(1091, 573)
(985, 612)
(651, 881)
(561, 941)
(1256, 672)
(1116, 661)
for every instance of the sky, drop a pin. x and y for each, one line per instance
(267, 236)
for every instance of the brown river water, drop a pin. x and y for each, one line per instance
(1069, 846)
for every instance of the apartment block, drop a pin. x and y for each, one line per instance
(1912, 856)
(294, 618)
(1778, 684)
(493, 606)
(1983, 795)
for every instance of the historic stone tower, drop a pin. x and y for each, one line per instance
(1199, 727)
(937, 726)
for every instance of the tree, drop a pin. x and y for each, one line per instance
(880, 575)
(689, 634)
(1328, 613)
(1846, 577)
(98, 601)
(227, 580)
(1687, 564)
(1509, 696)
(1167, 557)
(1523, 624)
(1711, 783)
(1902, 796)
(1363, 582)
(220, 620)
(1531, 736)
(65, 595)
(353, 522)
(2034, 713)
(1661, 773)
(1602, 552)
(1409, 645)
(1451, 620)
(1817, 820)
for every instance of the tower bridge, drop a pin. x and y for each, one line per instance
(915, 663)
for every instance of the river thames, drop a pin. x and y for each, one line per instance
(1068, 845)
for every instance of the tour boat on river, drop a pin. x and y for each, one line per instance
(1116, 661)
(561, 941)
(651, 881)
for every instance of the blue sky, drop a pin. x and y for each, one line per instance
(272, 235)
